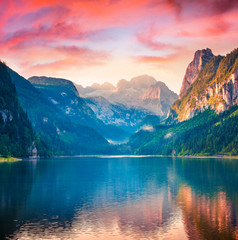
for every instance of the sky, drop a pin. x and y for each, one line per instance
(89, 41)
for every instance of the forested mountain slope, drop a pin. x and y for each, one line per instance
(208, 133)
(64, 96)
(59, 132)
(16, 134)
(204, 120)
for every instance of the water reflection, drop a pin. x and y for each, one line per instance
(15, 184)
(119, 198)
(209, 198)
(207, 218)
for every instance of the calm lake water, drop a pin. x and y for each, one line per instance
(119, 198)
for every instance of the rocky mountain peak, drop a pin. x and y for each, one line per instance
(154, 91)
(215, 88)
(95, 85)
(143, 81)
(122, 84)
(104, 86)
(141, 92)
(201, 57)
(140, 82)
(108, 86)
(53, 82)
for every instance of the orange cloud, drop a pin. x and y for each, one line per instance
(155, 59)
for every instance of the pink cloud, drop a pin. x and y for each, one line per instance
(45, 35)
(148, 39)
(157, 59)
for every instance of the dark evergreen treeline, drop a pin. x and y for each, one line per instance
(53, 125)
(205, 134)
(221, 137)
(17, 137)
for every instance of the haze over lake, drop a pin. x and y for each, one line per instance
(119, 198)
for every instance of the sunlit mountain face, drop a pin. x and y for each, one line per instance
(119, 198)
(109, 40)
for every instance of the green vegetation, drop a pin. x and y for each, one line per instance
(152, 120)
(197, 89)
(65, 97)
(205, 134)
(17, 137)
(62, 135)
(9, 159)
(216, 70)
(227, 66)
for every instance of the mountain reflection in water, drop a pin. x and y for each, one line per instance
(119, 198)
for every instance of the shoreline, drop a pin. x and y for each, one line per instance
(13, 159)
(9, 159)
(218, 156)
(138, 156)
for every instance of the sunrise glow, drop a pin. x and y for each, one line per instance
(107, 40)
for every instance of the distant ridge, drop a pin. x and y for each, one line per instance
(139, 92)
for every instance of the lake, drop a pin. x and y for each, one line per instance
(119, 198)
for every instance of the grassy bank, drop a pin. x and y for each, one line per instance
(9, 159)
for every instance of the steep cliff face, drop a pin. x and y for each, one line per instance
(216, 87)
(221, 95)
(152, 93)
(201, 58)
(160, 97)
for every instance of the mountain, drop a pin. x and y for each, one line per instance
(216, 87)
(201, 58)
(16, 134)
(61, 134)
(105, 90)
(142, 92)
(210, 109)
(104, 86)
(127, 118)
(205, 134)
(64, 95)
(159, 97)
(151, 121)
